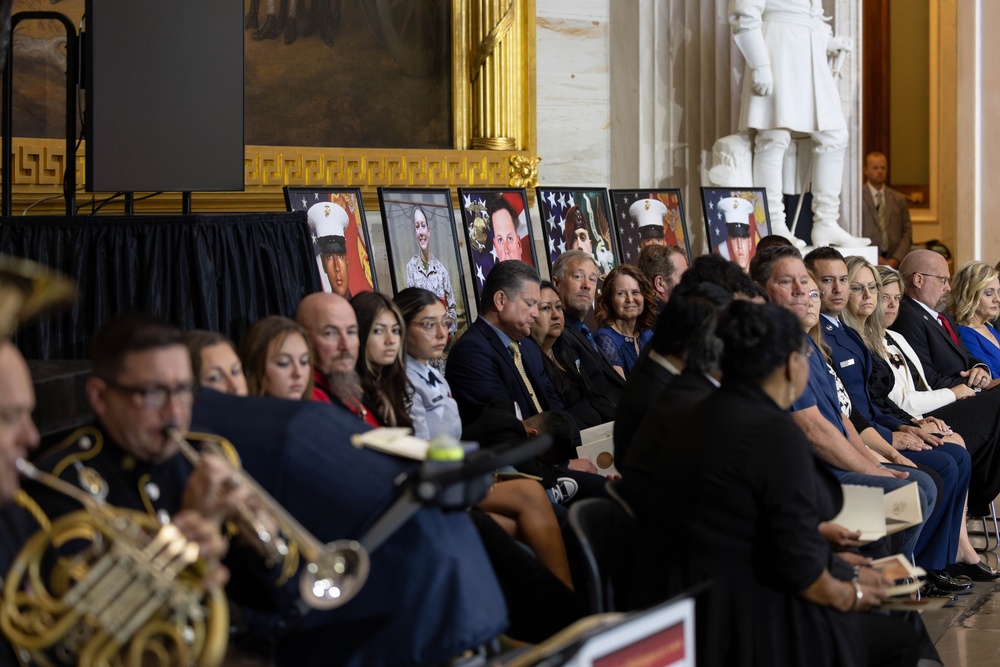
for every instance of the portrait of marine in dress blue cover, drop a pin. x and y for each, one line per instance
(735, 219)
(647, 217)
(339, 232)
(422, 245)
(579, 218)
(497, 227)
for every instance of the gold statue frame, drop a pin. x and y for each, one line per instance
(493, 107)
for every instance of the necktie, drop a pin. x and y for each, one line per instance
(880, 211)
(947, 327)
(432, 379)
(586, 332)
(515, 350)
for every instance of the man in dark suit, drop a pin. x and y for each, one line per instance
(938, 542)
(932, 333)
(885, 218)
(496, 357)
(574, 275)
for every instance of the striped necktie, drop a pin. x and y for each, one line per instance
(515, 350)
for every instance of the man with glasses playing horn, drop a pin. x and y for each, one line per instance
(142, 384)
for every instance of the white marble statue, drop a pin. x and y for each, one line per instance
(789, 87)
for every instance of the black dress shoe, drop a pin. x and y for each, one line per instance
(945, 582)
(974, 571)
(929, 591)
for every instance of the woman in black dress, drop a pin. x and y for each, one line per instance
(740, 498)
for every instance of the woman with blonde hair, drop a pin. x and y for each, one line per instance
(626, 313)
(974, 302)
(277, 359)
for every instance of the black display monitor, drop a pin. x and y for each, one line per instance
(164, 95)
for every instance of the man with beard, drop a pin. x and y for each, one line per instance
(333, 331)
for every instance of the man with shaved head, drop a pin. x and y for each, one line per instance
(931, 331)
(333, 333)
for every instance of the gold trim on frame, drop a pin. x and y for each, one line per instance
(493, 108)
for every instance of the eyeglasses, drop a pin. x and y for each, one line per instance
(857, 288)
(430, 326)
(944, 279)
(816, 294)
(156, 397)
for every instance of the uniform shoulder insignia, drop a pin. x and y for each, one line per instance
(87, 441)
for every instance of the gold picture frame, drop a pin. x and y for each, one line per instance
(494, 130)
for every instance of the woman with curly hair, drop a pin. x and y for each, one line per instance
(380, 365)
(626, 313)
(277, 359)
(974, 302)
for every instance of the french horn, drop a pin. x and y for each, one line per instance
(133, 594)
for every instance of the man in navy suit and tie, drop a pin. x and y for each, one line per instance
(932, 334)
(937, 546)
(496, 358)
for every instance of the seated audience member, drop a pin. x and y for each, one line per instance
(822, 411)
(895, 385)
(663, 266)
(626, 311)
(561, 356)
(864, 315)
(432, 409)
(574, 276)
(380, 363)
(974, 302)
(794, 611)
(333, 331)
(676, 331)
(277, 359)
(520, 506)
(496, 358)
(772, 240)
(215, 363)
(939, 537)
(695, 311)
(933, 334)
(718, 270)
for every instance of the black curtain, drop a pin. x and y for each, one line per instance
(217, 272)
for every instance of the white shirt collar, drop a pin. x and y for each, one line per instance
(930, 310)
(874, 190)
(661, 360)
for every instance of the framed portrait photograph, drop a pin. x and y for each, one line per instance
(735, 219)
(422, 245)
(579, 218)
(497, 227)
(339, 232)
(647, 217)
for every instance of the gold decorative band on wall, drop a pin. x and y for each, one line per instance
(38, 168)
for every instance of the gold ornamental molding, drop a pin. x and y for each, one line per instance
(38, 168)
(493, 112)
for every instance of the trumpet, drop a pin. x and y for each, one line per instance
(333, 572)
(135, 595)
